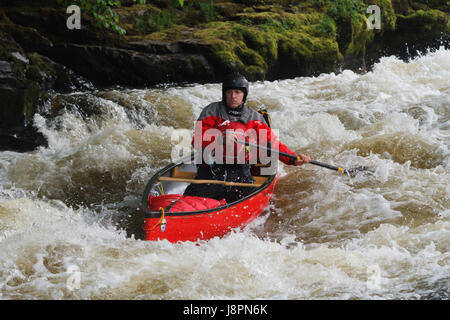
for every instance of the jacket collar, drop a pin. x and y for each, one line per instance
(245, 113)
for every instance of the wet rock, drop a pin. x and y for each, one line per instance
(108, 66)
(22, 139)
(25, 78)
(154, 46)
(51, 23)
(28, 38)
(19, 99)
(53, 76)
(18, 95)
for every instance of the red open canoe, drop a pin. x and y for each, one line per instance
(170, 182)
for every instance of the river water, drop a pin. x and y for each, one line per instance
(70, 223)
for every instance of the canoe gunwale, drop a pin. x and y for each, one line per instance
(157, 214)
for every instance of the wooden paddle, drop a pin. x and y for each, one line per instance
(351, 172)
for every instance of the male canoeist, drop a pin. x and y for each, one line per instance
(225, 124)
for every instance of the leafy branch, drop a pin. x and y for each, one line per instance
(103, 13)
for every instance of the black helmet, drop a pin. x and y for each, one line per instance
(235, 81)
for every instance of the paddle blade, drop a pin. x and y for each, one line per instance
(354, 171)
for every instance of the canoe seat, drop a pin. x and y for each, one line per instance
(176, 173)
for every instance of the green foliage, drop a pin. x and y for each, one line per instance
(191, 14)
(320, 3)
(346, 22)
(208, 10)
(316, 4)
(435, 3)
(102, 11)
(156, 21)
(327, 27)
(346, 10)
(275, 21)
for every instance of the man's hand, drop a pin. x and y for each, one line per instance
(302, 159)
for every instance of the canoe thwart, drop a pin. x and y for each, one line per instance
(200, 181)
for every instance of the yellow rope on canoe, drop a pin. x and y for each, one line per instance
(160, 188)
(161, 222)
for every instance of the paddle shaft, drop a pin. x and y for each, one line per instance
(317, 163)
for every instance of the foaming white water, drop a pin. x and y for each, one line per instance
(360, 100)
(385, 263)
(324, 236)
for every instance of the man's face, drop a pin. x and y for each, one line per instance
(234, 98)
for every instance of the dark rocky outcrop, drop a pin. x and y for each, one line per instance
(106, 66)
(25, 78)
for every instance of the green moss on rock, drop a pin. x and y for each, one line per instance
(401, 6)
(228, 43)
(261, 37)
(257, 47)
(360, 36)
(308, 54)
(430, 21)
(268, 38)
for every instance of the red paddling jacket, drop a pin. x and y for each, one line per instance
(214, 122)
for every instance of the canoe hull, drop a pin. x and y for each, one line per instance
(212, 223)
